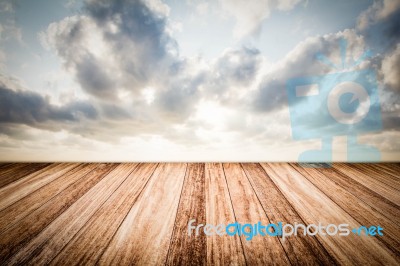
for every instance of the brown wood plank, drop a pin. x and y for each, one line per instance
(378, 175)
(358, 209)
(185, 249)
(379, 203)
(90, 242)
(221, 250)
(12, 167)
(247, 209)
(24, 206)
(92, 213)
(392, 165)
(5, 165)
(50, 241)
(144, 236)
(387, 168)
(24, 186)
(23, 231)
(370, 182)
(16, 173)
(315, 207)
(302, 249)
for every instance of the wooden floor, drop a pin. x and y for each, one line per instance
(138, 213)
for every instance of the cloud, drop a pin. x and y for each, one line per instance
(30, 108)
(115, 46)
(380, 24)
(238, 65)
(232, 74)
(10, 33)
(302, 62)
(7, 5)
(377, 12)
(106, 46)
(138, 86)
(249, 15)
(391, 70)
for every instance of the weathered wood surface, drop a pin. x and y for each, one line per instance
(138, 213)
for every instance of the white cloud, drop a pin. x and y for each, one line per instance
(7, 5)
(249, 15)
(391, 69)
(144, 93)
(379, 11)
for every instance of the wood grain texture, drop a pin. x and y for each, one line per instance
(145, 234)
(89, 243)
(315, 207)
(138, 213)
(22, 187)
(380, 173)
(379, 203)
(370, 181)
(390, 168)
(221, 250)
(24, 230)
(359, 210)
(51, 240)
(393, 166)
(184, 249)
(19, 171)
(13, 213)
(8, 169)
(247, 208)
(300, 250)
(6, 165)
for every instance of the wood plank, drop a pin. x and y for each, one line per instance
(52, 238)
(392, 165)
(379, 203)
(358, 209)
(221, 250)
(378, 175)
(22, 231)
(7, 177)
(315, 207)
(92, 214)
(21, 188)
(247, 208)
(144, 236)
(24, 206)
(302, 249)
(185, 249)
(5, 165)
(12, 167)
(90, 242)
(370, 182)
(387, 168)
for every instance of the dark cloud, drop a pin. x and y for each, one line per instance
(91, 75)
(115, 46)
(380, 25)
(300, 62)
(391, 120)
(178, 101)
(114, 112)
(390, 70)
(234, 70)
(30, 108)
(238, 66)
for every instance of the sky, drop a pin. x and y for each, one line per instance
(188, 80)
